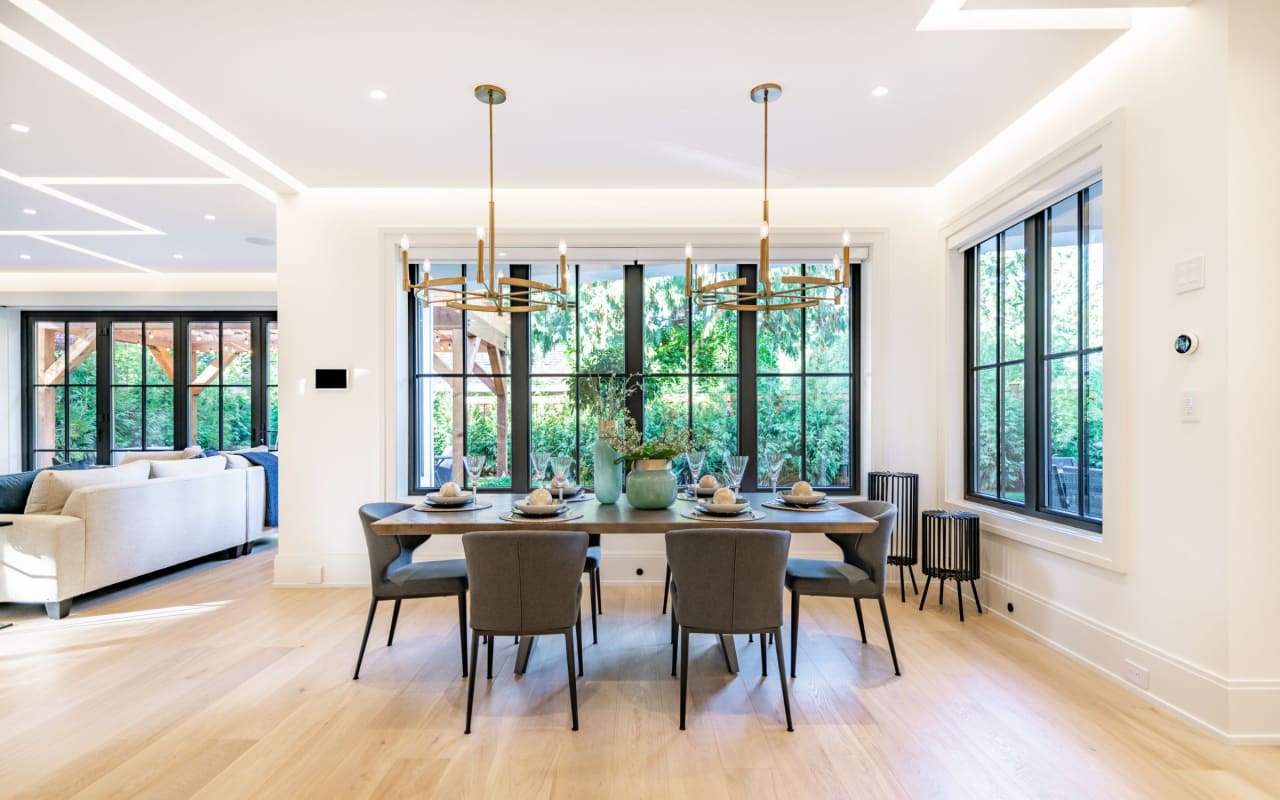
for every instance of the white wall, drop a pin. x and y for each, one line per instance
(1190, 501)
(10, 390)
(339, 301)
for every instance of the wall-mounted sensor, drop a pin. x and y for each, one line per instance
(331, 379)
(1186, 343)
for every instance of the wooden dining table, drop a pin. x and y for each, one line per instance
(619, 518)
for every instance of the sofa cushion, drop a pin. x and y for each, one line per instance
(236, 461)
(160, 455)
(184, 469)
(15, 488)
(51, 489)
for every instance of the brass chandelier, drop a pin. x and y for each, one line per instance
(795, 291)
(497, 293)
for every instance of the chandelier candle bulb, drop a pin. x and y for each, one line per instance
(426, 270)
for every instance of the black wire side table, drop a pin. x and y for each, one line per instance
(903, 490)
(949, 549)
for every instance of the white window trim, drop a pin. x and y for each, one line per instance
(1096, 153)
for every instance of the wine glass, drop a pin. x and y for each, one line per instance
(773, 460)
(694, 459)
(560, 468)
(474, 464)
(737, 466)
(540, 459)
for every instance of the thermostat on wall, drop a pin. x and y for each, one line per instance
(331, 379)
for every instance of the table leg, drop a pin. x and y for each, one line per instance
(730, 652)
(522, 654)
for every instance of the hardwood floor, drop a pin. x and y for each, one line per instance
(210, 683)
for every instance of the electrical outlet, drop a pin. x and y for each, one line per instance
(1189, 405)
(1136, 674)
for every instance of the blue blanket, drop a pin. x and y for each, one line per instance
(270, 464)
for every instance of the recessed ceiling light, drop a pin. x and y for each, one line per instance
(24, 256)
(210, 217)
(18, 127)
(880, 91)
(30, 212)
(502, 255)
(378, 94)
(178, 256)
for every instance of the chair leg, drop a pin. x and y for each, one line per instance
(973, 585)
(925, 594)
(592, 576)
(782, 679)
(959, 597)
(599, 591)
(471, 682)
(764, 657)
(573, 682)
(578, 628)
(684, 673)
(911, 570)
(395, 617)
(666, 589)
(751, 637)
(675, 647)
(862, 629)
(888, 632)
(489, 653)
(462, 629)
(795, 629)
(902, 581)
(368, 625)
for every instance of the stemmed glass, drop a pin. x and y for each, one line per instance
(560, 468)
(737, 466)
(474, 464)
(694, 461)
(540, 459)
(773, 460)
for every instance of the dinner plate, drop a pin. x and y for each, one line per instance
(782, 499)
(815, 499)
(569, 491)
(437, 499)
(540, 511)
(725, 509)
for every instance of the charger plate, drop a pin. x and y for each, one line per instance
(803, 509)
(514, 516)
(702, 516)
(477, 506)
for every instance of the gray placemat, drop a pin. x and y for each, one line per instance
(807, 509)
(478, 506)
(750, 516)
(512, 516)
(582, 498)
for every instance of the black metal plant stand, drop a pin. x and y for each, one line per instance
(903, 490)
(949, 545)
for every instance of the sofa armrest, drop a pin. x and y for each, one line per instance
(256, 507)
(41, 558)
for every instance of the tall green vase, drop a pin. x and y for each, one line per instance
(608, 472)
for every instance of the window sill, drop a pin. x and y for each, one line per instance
(1064, 540)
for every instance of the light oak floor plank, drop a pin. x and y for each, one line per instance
(208, 682)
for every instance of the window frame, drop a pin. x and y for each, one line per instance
(105, 379)
(633, 358)
(1035, 364)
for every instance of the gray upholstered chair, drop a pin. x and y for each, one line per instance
(525, 583)
(727, 581)
(394, 575)
(860, 575)
(592, 568)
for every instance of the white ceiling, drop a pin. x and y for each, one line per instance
(653, 94)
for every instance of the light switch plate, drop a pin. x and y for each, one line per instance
(1188, 275)
(1189, 405)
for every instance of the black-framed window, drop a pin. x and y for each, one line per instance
(99, 385)
(697, 367)
(1035, 368)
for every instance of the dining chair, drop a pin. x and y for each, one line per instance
(861, 575)
(394, 575)
(592, 568)
(525, 583)
(728, 581)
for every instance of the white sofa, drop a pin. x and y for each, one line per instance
(117, 531)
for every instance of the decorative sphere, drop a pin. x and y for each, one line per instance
(450, 489)
(708, 482)
(539, 497)
(802, 489)
(723, 495)
(556, 483)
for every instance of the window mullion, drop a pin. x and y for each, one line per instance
(1032, 352)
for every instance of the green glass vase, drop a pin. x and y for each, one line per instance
(651, 484)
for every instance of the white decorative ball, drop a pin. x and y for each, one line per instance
(450, 489)
(724, 495)
(539, 497)
(802, 489)
(708, 482)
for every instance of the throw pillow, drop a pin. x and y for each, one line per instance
(15, 488)
(236, 461)
(51, 489)
(187, 469)
(160, 455)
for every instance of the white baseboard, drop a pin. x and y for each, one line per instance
(1239, 712)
